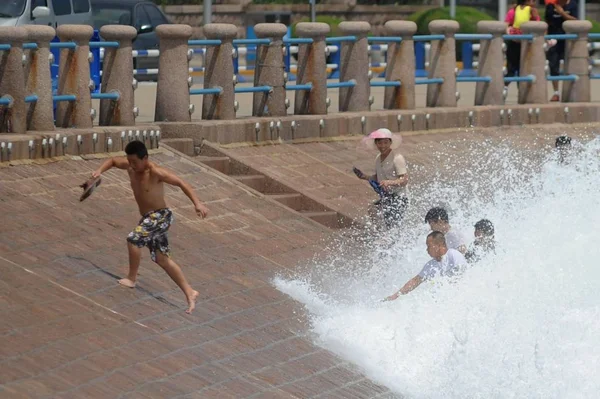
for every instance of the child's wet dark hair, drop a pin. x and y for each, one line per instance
(436, 214)
(485, 226)
(562, 140)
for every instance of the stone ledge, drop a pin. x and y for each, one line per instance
(21, 149)
(264, 129)
(307, 127)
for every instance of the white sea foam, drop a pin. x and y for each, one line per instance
(523, 323)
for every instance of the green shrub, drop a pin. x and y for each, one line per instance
(333, 23)
(467, 18)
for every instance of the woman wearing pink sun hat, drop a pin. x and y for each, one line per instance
(391, 176)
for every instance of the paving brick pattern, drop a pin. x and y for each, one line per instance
(70, 331)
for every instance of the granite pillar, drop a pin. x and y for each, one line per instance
(401, 65)
(312, 68)
(117, 76)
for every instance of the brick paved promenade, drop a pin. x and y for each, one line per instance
(70, 331)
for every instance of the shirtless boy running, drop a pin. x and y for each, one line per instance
(147, 180)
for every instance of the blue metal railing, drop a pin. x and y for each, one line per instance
(106, 96)
(5, 101)
(64, 97)
(238, 42)
(69, 45)
(429, 81)
(307, 86)
(566, 78)
(340, 39)
(486, 79)
(427, 38)
(4, 47)
(473, 36)
(257, 89)
(31, 99)
(209, 42)
(104, 44)
(384, 39)
(214, 90)
(339, 85)
(30, 46)
(564, 36)
(528, 78)
(386, 84)
(301, 40)
(518, 37)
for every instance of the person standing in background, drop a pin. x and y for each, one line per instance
(522, 12)
(556, 14)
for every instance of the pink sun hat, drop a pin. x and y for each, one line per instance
(368, 142)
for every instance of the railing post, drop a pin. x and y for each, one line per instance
(172, 91)
(219, 72)
(491, 62)
(577, 62)
(270, 69)
(442, 64)
(40, 116)
(401, 66)
(312, 68)
(13, 118)
(354, 58)
(74, 77)
(533, 62)
(117, 76)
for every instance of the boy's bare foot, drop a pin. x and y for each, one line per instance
(127, 282)
(192, 302)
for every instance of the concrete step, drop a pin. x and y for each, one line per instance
(256, 182)
(185, 146)
(328, 218)
(294, 201)
(218, 163)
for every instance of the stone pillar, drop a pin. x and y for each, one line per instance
(40, 116)
(117, 76)
(218, 72)
(491, 62)
(577, 62)
(533, 62)
(13, 119)
(74, 77)
(269, 71)
(442, 63)
(312, 68)
(354, 62)
(400, 65)
(172, 91)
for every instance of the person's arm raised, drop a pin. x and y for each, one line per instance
(169, 177)
(115, 162)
